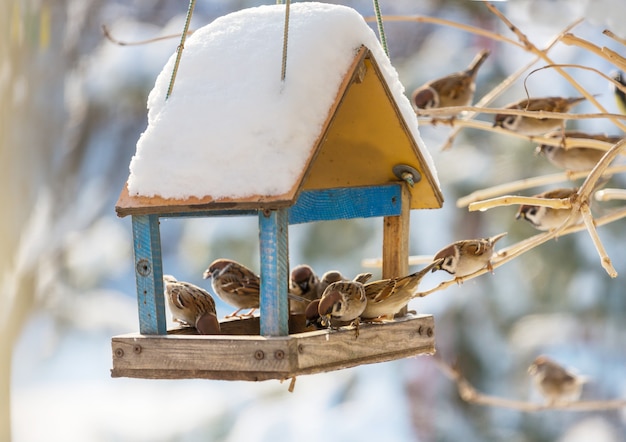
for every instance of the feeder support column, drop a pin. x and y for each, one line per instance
(149, 274)
(274, 247)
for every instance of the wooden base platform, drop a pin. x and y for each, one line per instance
(249, 357)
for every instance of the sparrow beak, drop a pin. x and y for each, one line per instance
(207, 274)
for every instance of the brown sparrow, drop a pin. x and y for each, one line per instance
(191, 305)
(547, 218)
(387, 297)
(554, 382)
(303, 282)
(235, 284)
(343, 300)
(453, 90)
(536, 126)
(575, 158)
(465, 257)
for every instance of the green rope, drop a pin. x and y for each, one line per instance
(285, 38)
(381, 30)
(181, 46)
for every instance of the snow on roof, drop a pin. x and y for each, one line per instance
(231, 128)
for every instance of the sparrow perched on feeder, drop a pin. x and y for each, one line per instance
(546, 218)
(387, 297)
(343, 300)
(554, 382)
(620, 96)
(465, 257)
(235, 284)
(536, 126)
(575, 158)
(303, 282)
(456, 89)
(191, 305)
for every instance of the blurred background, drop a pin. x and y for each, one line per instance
(73, 106)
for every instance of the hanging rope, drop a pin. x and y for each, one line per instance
(285, 38)
(381, 30)
(181, 46)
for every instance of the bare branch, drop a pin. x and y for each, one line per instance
(112, 39)
(528, 183)
(469, 394)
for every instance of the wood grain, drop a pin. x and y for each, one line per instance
(178, 356)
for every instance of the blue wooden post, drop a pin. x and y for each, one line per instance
(273, 240)
(149, 274)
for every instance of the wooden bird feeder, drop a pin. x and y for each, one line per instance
(358, 167)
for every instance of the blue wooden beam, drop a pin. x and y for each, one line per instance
(347, 203)
(149, 274)
(274, 247)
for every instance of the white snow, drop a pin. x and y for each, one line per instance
(231, 127)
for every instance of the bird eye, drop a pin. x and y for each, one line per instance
(532, 211)
(449, 261)
(339, 305)
(509, 121)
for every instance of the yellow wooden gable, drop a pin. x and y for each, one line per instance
(362, 139)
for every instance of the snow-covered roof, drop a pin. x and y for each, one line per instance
(231, 129)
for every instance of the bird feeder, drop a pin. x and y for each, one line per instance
(365, 162)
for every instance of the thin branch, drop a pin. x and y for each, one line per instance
(510, 200)
(529, 183)
(610, 194)
(108, 36)
(469, 394)
(617, 38)
(591, 228)
(525, 113)
(413, 261)
(604, 52)
(439, 21)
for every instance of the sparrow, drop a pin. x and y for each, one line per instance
(343, 300)
(536, 126)
(235, 284)
(547, 218)
(465, 257)
(456, 89)
(575, 158)
(554, 382)
(314, 319)
(387, 297)
(303, 282)
(191, 305)
(620, 96)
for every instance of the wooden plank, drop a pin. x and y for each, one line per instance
(396, 241)
(256, 358)
(142, 205)
(274, 248)
(149, 274)
(346, 203)
(376, 342)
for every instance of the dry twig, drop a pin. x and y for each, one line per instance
(469, 394)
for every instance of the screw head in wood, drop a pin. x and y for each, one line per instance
(258, 355)
(407, 173)
(119, 353)
(279, 354)
(143, 267)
